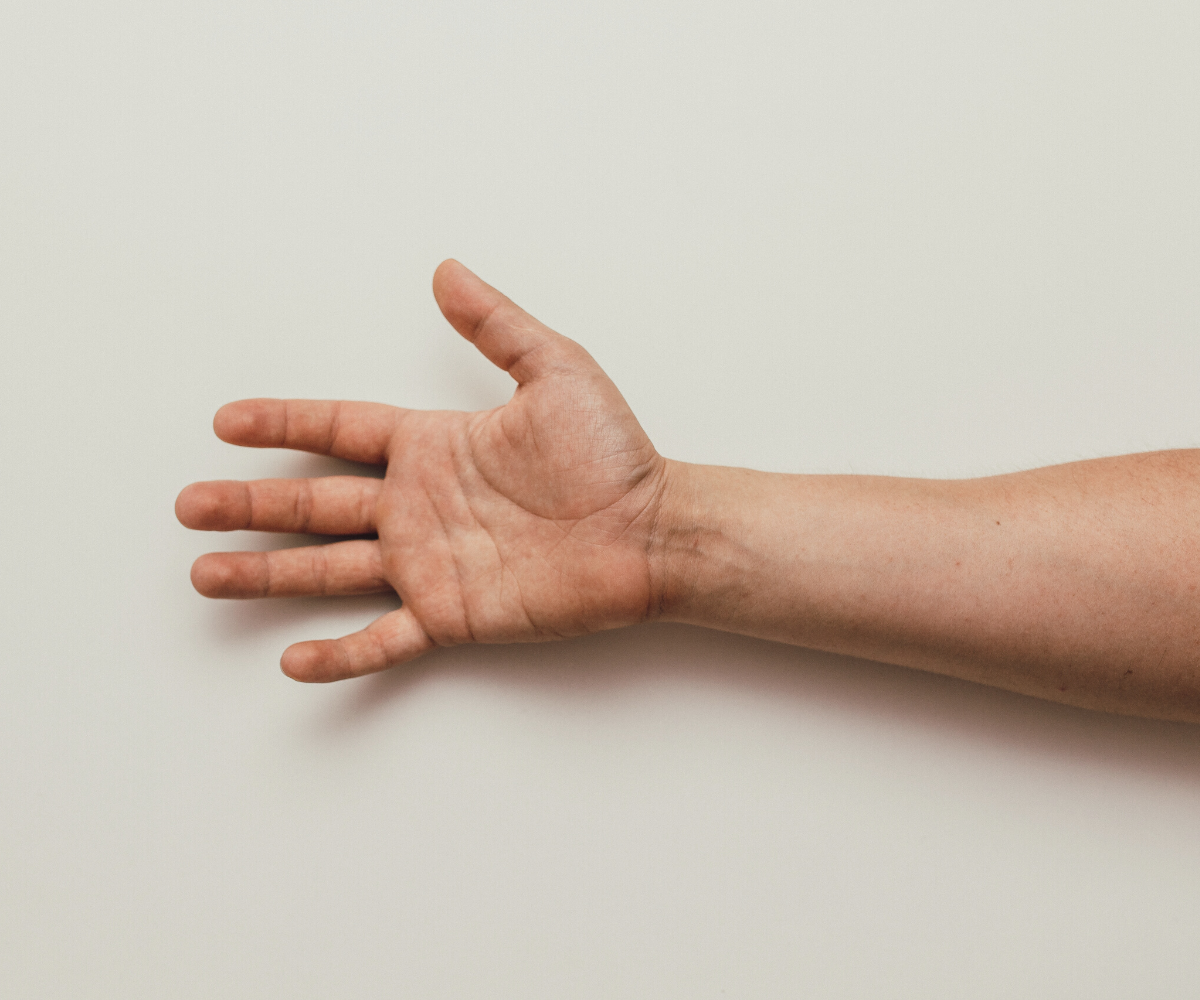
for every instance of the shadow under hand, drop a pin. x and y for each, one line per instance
(302, 465)
(963, 714)
(279, 620)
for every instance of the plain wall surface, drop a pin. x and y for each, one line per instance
(938, 239)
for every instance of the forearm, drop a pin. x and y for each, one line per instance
(1076, 583)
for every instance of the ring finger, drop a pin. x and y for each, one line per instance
(332, 505)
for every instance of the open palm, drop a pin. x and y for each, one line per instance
(531, 521)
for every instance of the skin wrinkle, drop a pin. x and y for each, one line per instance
(526, 362)
(303, 507)
(250, 519)
(651, 537)
(380, 648)
(520, 595)
(599, 510)
(432, 639)
(466, 622)
(603, 510)
(348, 668)
(320, 558)
(520, 356)
(335, 425)
(368, 500)
(483, 477)
(532, 434)
(506, 569)
(287, 406)
(377, 565)
(481, 325)
(498, 418)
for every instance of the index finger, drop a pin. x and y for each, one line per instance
(359, 432)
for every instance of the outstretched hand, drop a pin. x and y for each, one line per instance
(535, 520)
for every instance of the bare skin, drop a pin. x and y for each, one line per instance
(554, 516)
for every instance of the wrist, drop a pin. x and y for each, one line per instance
(684, 534)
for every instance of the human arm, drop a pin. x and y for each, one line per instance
(1076, 583)
(555, 516)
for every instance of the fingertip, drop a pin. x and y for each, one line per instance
(444, 272)
(246, 422)
(222, 505)
(225, 421)
(210, 576)
(452, 283)
(311, 662)
(183, 506)
(294, 662)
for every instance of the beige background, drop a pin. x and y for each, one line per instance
(925, 238)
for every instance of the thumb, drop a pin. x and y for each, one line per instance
(504, 332)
